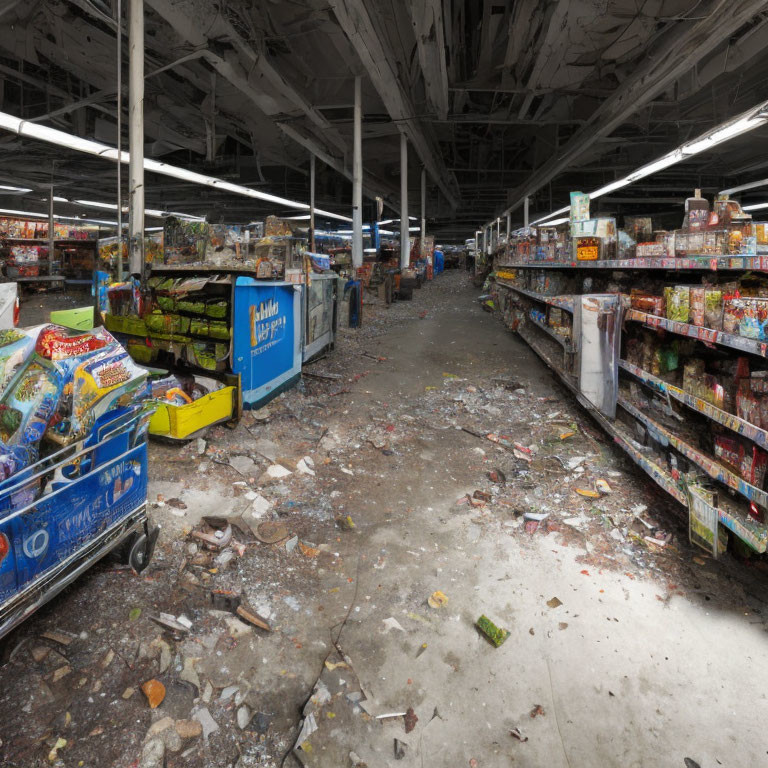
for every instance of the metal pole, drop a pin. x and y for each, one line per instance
(119, 140)
(357, 181)
(405, 249)
(509, 225)
(312, 203)
(525, 211)
(423, 209)
(51, 245)
(136, 136)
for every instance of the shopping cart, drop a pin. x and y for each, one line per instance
(66, 511)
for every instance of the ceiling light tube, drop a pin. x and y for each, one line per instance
(754, 207)
(14, 190)
(62, 139)
(747, 121)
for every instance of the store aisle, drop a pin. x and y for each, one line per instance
(618, 654)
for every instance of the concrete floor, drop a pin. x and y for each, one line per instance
(638, 666)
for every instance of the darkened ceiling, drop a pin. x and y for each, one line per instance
(500, 99)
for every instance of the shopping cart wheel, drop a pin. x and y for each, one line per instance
(141, 548)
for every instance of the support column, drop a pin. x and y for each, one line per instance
(51, 239)
(136, 137)
(357, 181)
(526, 204)
(509, 225)
(119, 63)
(312, 203)
(405, 244)
(423, 208)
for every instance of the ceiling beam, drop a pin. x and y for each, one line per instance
(355, 21)
(427, 20)
(684, 44)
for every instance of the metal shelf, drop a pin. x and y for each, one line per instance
(713, 468)
(709, 263)
(563, 302)
(562, 340)
(709, 335)
(738, 425)
(750, 531)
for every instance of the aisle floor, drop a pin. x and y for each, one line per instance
(620, 653)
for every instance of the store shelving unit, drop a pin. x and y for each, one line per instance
(733, 514)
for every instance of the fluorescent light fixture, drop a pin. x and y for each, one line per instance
(33, 215)
(60, 199)
(392, 221)
(555, 222)
(369, 250)
(154, 229)
(755, 207)
(62, 139)
(564, 209)
(304, 217)
(385, 232)
(747, 121)
(366, 227)
(97, 204)
(14, 190)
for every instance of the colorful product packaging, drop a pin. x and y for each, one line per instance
(697, 305)
(647, 302)
(713, 309)
(677, 301)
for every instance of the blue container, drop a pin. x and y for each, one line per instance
(63, 513)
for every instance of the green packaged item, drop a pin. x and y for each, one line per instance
(167, 303)
(142, 354)
(217, 309)
(212, 357)
(678, 301)
(131, 325)
(159, 322)
(216, 329)
(495, 634)
(713, 309)
(193, 307)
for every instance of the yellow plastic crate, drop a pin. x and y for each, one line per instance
(181, 421)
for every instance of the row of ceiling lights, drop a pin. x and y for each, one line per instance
(747, 121)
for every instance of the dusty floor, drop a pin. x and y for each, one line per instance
(634, 654)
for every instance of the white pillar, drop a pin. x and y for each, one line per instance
(526, 203)
(136, 136)
(423, 208)
(119, 63)
(357, 181)
(312, 203)
(509, 225)
(405, 245)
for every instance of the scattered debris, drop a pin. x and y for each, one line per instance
(167, 621)
(271, 532)
(537, 710)
(437, 599)
(554, 602)
(495, 635)
(154, 690)
(411, 719)
(392, 623)
(400, 748)
(517, 733)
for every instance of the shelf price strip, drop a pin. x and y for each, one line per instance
(729, 420)
(708, 335)
(563, 302)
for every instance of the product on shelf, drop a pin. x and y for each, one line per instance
(677, 299)
(647, 302)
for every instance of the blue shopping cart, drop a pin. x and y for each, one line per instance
(66, 511)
